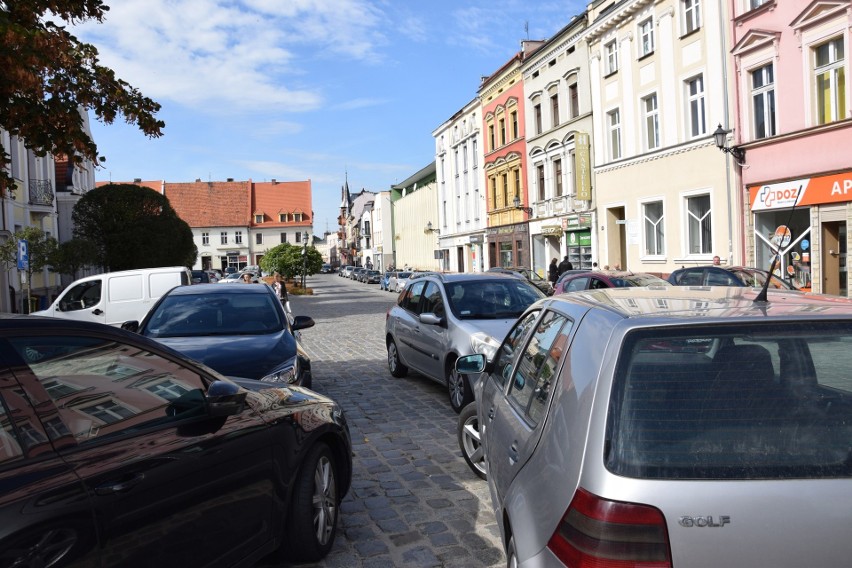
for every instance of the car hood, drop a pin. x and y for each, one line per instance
(496, 328)
(249, 356)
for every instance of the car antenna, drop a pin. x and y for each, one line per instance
(762, 296)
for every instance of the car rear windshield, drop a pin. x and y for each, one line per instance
(214, 314)
(491, 299)
(749, 401)
(635, 280)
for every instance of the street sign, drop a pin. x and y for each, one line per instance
(23, 255)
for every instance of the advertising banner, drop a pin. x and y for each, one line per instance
(833, 188)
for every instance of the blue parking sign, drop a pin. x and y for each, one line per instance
(23, 255)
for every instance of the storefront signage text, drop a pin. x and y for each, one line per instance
(834, 188)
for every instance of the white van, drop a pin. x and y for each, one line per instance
(116, 297)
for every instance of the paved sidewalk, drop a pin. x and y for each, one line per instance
(413, 501)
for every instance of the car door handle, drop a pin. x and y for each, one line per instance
(97, 311)
(119, 486)
(513, 453)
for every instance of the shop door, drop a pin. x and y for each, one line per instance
(460, 259)
(834, 258)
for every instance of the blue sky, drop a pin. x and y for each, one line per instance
(302, 89)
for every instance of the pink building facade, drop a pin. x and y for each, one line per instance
(791, 88)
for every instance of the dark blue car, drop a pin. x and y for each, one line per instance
(239, 330)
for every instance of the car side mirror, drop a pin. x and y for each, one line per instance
(431, 319)
(302, 322)
(131, 325)
(470, 364)
(225, 399)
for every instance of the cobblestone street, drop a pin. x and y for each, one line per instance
(413, 500)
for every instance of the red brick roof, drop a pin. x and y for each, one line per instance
(272, 198)
(211, 204)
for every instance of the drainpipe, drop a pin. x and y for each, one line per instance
(724, 29)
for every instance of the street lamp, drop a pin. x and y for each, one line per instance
(517, 203)
(429, 228)
(720, 137)
(304, 258)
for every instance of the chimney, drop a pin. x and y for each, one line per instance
(274, 180)
(230, 179)
(137, 180)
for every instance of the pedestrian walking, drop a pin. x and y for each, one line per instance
(565, 265)
(553, 271)
(280, 288)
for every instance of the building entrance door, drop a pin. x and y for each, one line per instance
(834, 258)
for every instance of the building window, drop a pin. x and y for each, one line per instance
(223, 238)
(763, 101)
(298, 237)
(652, 122)
(505, 179)
(557, 177)
(258, 238)
(298, 217)
(205, 239)
(700, 231)
(473, 153)
(614, 123)
(515, 132)
(493, 193)
(502, 124)
(539, 169)
(691, 15)
(611, 51)
(646, 37)
(754, 4)
(283, 237)
(258, 218)
(695, 96)
(282, 217)
(537, 118)
(491, 140)
(574, 100)
(518, 188)
(464, 157)
(238, 237)
(830, 75)
(654, 228)
(554, 110)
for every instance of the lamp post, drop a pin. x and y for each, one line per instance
(517, 203)
(304, 258)
(720, 137)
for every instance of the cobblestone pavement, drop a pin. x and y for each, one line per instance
(413, 501)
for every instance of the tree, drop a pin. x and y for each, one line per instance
(72, 256)
(40, 248)
(49, 77)
(133, 227)
(287, 259)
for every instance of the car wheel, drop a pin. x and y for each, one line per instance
(312, 523)
(468, 435)
(397, 369)
(458, 387)
(511, 554)
(52, 545)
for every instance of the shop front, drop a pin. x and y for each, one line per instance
(578, 240)
(507, 245)
(546, 244)
(802, 223)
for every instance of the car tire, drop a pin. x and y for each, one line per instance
(511, 554)
(314, 510)
(397, 369)
(469, 441)
(458, 388)
(53, 544)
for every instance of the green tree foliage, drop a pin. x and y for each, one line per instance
(287, 259)
(40, 248)
(72, 256)
(47, 76)
(133, 227)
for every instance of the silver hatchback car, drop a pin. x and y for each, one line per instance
(671, 427)
(441, 316)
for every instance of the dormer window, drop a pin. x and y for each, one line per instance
(282, 217)
(258, 218)
(298, 217)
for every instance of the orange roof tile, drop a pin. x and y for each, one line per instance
(272, 198)
(211, 204)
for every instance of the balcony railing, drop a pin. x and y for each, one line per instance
(41, 192)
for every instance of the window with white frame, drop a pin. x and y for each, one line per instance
(611, 52)
(223, 238)
(557, 177)
(699, 227)
(691, 10)
(646, 37)
(258, 218)
(537, 118)
(614, 127)
(539, 169)
(516, 133)
(655, 242)
(282, 217)
(298, 217)
(554, 110)
(283, 237)
(754, 4)
(298, 237)
(574, 99)
(695, 101)
(258, 238)
(652, 122)
(205, 239)
(830, 81)
(238, 237)
(763, 101)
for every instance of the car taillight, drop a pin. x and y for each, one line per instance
(598, 533)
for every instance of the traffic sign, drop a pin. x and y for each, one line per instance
(23, 255)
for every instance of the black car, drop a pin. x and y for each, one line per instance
(237, 330)
(200, 277)
(725, 276)
(118, 451)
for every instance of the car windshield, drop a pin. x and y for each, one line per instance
(759, 400)
(491, 299)
(757, 279)
(214, 314)
(637, 280)
(403, 275)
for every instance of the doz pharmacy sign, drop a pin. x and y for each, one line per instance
(834, 188)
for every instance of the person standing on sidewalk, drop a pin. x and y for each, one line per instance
(280, 288)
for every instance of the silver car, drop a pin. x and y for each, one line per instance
(671, 427)
(442, 316)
